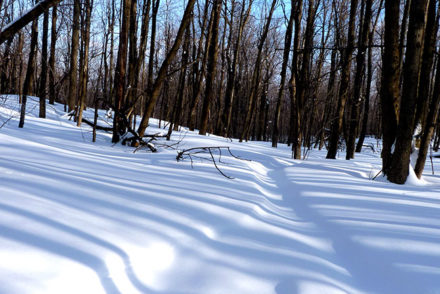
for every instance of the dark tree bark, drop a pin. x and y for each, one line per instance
(402, 40)
(211, 67)
(29, 72)
(368, 82)
(132, 60)
(286, 53)
(4, 66)
(73, 74)
(294, 135)
(302, 81)
(400, 164)
(178, 105)
(337, 122)
(142, 46)
(430, 118)
(256, 75)
(42, 93)
(430, 125)
(331, 89)
(359, 77)
(231, 81)
(430, 39)
(119, 125)
(108, 62)
(390, 90)
(85, 64)
(186, 19)
(155, 9)
(200, 69)
(53, 40)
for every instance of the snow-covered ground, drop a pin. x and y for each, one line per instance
(83, 217)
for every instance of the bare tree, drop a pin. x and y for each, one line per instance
(400, 163)
(256, 75)
(29, 72)
(286, 53)
(212, 63)
(345, 84)
(154, 94)
(73, 73)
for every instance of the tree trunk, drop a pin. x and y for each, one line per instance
(390, 90)
(302, 82)
(121, 63)
(43, 77)
(53, 40)
(211, 67)
(155, 9)
(73, 75)
(400, 164)
(359, 77)
(200, 72)
(132, 61)
(230, 84)
(286, 53)
(256, 75)
(85, 66)
(178, 106)
(429, 128)
(186, 19)
(336, 127)
(430, 39)
(29, 72)
(294, 135)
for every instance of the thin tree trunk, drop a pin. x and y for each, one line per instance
(230, 84)
(29, 72)
(53, 40)
(256, 75)
(286, 53)
(211, 67)
(186, 19)
(85, 68)
(155, 9)
(429, 128)
(345, 84)
(197, 87)
(402, 39)
(294, 135)
(359, 79)
(178, 106)
(73, 75)
(43, 77)
(111, 59)
(132, 60)
(427, 63)
(302, 81)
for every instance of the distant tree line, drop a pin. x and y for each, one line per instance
(309, 73)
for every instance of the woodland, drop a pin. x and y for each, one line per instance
(309, 73)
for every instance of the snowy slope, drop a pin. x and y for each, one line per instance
(82, 217)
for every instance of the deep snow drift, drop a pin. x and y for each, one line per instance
(83, 217)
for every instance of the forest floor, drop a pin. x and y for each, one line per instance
(83, 217)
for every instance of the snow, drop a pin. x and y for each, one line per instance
(83, 217)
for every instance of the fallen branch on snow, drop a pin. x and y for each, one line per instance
(192, 152)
